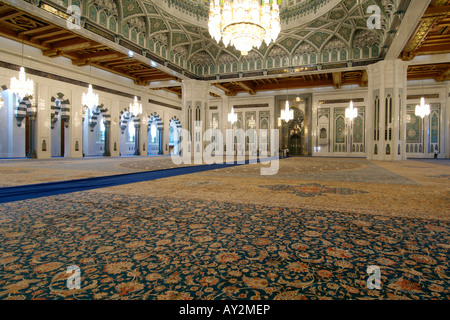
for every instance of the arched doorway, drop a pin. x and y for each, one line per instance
(295, 145)
(127, 134)
(300, 125)
(96, 132)
(296, 133)
(174, 136)
(154, 135)
(60, 116)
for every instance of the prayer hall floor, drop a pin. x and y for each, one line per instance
(308, 232)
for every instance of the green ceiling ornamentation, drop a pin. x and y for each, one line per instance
(317, 24)
(174, 26)
(157, 25)
(150, 9)
(214, 50)
(337, 14)
(318, 38)
(289, 43)
(191, 29)
(263, 48)
(349, 4)
(179, 27)
(196, 46)
(131, 7)
(345, 32)
(179, 38)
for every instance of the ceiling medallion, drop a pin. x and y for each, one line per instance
(244, 23)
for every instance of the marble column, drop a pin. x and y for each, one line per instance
(32, 112)
(137, 127)
(386, 110)
(195, 100)
(107, 148)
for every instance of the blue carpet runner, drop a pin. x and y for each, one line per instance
(19, 193)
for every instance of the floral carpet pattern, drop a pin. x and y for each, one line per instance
(311, 189)
(130, 247)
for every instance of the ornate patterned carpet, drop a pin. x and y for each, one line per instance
(157, 243)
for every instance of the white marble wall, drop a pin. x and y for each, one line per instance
(12, 137)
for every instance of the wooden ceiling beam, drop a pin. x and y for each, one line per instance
(10, 14)
(246, 87)
(145, 72)
(55, 41)
(156, 78)
(34, 31)
(71, 45)
(55, 32)
(228, 92)
(170, 90)
(444, 76)
(436, 11)
(58, 38)
(123, 62)
(337, 80)
(94, 57)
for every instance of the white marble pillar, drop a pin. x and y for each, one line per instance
(195, 104)
(387, 85)
(43, 123)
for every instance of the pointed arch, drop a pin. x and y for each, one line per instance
(59, 105)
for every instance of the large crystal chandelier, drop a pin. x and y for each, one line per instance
(244, 23)
(90, 99)
(351, 112)
(135, 107)
(422, 109)
(287, 114)
(22, 87)
(232, 117)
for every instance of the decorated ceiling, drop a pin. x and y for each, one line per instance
(314, 32)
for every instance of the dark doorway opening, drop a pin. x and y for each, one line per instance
(295, 145)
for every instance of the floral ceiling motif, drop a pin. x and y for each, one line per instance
(165, 28)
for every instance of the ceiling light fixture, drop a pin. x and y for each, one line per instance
(232, 117)
(422, 109)
(135, 107)
(244, 23)
(22, 87)
(90, 99)
(350, 112)
(287, 114)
